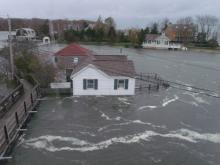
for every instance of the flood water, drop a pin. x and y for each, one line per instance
(167, 127)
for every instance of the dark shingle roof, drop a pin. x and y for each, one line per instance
(151, 37)
(116, 65)
(113, 65)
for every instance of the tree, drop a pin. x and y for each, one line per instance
(201, 37)
(44, 28)
(133, 36)
(154, 28)
(208, 25)
(110, 22)
(185, 21)
(213, 43)
(29, 64)
(164, 23)
(147, 30)
(112, 34)
(141, 37)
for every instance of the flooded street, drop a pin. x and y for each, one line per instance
(167, 127)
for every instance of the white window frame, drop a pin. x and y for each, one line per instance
(121, 87)
(90, 85)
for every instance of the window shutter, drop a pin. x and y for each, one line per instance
(115, 84)
(84, 83)
(126, 84)
(96, 84)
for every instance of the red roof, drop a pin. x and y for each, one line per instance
(73, 50)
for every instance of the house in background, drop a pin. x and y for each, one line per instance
(25, 34)
(157, 41)
(92, 74)
(181, 33)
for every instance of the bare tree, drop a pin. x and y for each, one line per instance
(208, 25)
(110, 22)
(164, 23)
(185, 21)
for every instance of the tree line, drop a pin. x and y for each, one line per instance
(206, 31)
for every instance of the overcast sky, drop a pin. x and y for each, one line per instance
(127, 13)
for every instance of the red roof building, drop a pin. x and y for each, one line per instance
(73, 50)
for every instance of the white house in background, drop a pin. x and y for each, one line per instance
(46, 40)
(25, 34)
(156, 41)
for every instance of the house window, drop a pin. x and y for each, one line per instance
(120, 84)
(75, 60)
(90, 84)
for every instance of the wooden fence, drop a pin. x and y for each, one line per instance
(14, 123)
(7, 102)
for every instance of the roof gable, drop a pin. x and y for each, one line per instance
(86, 67)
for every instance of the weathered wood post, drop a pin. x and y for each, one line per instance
(7, 139)
(17, 119)
(32, 101)
(25, 108)
(149, 87)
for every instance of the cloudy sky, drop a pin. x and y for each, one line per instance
(127, 13)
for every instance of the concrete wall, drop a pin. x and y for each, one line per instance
(105, 84)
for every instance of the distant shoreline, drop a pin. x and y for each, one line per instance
(130, 45)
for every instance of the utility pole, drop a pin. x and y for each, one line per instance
(10, 49)
(51, 29)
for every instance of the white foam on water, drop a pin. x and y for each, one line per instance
(128, 122)
(195, 136)
(190, 102)
(147, 107)
(88, 133)
(103, 115)
(46, 142)
(167, 101)
(124, 100)
(197, 98)
(185, 125)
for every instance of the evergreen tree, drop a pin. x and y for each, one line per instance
(154, 29)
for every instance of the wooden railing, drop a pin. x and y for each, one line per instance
(152, 80)
(7, 102)
(14, 123)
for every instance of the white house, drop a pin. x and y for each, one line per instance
(25, 34)
(156, 41)
(92, 81)
(91, 74)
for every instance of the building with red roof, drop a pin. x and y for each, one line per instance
(73, 50)
(92, 74)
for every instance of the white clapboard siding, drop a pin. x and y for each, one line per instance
(105, 83)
